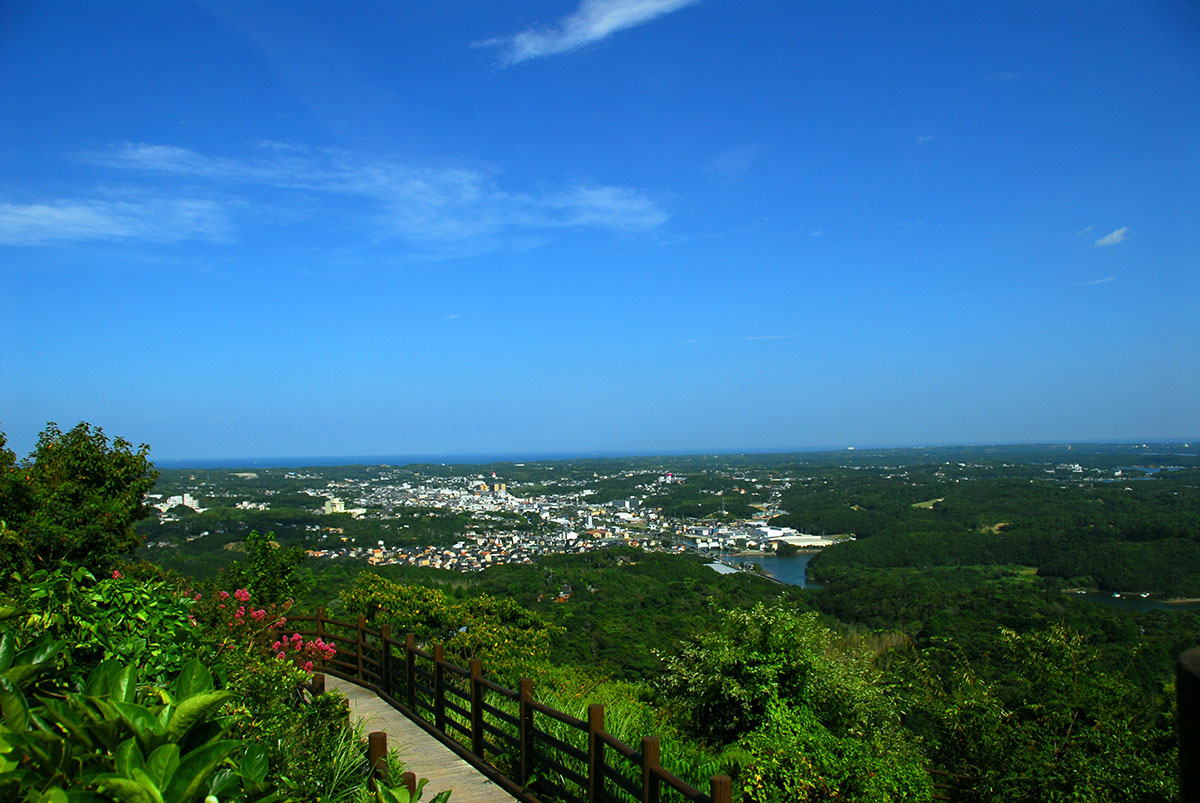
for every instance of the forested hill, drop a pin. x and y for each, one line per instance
(942, 637)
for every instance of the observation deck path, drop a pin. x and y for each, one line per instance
(423, 755)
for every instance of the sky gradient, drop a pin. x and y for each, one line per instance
(266, 229)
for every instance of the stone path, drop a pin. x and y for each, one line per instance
(422, 754)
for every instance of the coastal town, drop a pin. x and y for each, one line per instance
(499, 522)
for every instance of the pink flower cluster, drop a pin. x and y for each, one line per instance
(303, 653)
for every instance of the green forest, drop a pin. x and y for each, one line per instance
(943, 644)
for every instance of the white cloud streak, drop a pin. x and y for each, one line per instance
(592, 21)
(439, 206)
(160, 220)
(1112, 238)
(1105, 280)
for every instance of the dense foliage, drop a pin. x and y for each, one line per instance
(75, 498)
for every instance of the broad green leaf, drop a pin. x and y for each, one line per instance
(194, 769)
(162, 763)
(7, 648)
(140, 721)
(254, 764)
(195, 709)
(68, 719)
(128, 757)
(8, 612)
(393, 794)
(138, 789)
(13, 706)
(194, 678)
(221, 781)
(52, 795)
(100, 680)
(441, 797)
(124, 684)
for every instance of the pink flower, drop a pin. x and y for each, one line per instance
(223, 594)
(242, 595)
(308, 666)
(116, 575)
(280, 655)
(259, 614)
(197, 598)
(275, 646)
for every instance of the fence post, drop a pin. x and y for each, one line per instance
(410, 670)
(358, 646)
(1187, 696)
(651, 785)
(318, 684)
(526, 728)
(409, 781)
(720, 789)
(376, 757)
(385, 659)
(477, 707)
(439, 687)
(595, 753)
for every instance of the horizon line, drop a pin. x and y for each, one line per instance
(490, 458)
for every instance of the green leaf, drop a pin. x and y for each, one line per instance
(128, 757)
(100, 680)
(221, 781)
(254, 764)
(390, 794)
(162, 763)
(128, 790)
(7, 647)
(140, 721)
(194, 710)
(68, 719)
(194, 678)
(195, 768)
(13, 706)
(124, 684)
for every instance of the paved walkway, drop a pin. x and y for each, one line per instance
(422, 754)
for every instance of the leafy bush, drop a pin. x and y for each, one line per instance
(118, 740)
(510, 640)
(770, 683)
(75, 498)
(146, 624)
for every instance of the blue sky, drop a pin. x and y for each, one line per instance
(267, 229)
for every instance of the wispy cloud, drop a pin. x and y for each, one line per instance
(923, 138)
(1105, 280)
(769, 337)
(161, 220)
(1112, 238)
(1085, 230)
(734, 164)
(453, 207)
(592, 21)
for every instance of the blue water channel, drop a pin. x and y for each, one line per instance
(793, 570)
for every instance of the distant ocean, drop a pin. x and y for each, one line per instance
(405, 459)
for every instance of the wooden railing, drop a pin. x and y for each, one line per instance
(527, 748)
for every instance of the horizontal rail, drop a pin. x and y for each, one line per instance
(449, 701)
(565, 719)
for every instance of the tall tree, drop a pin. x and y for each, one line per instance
(75, 498)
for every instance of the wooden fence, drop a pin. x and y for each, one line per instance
(527, 748)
